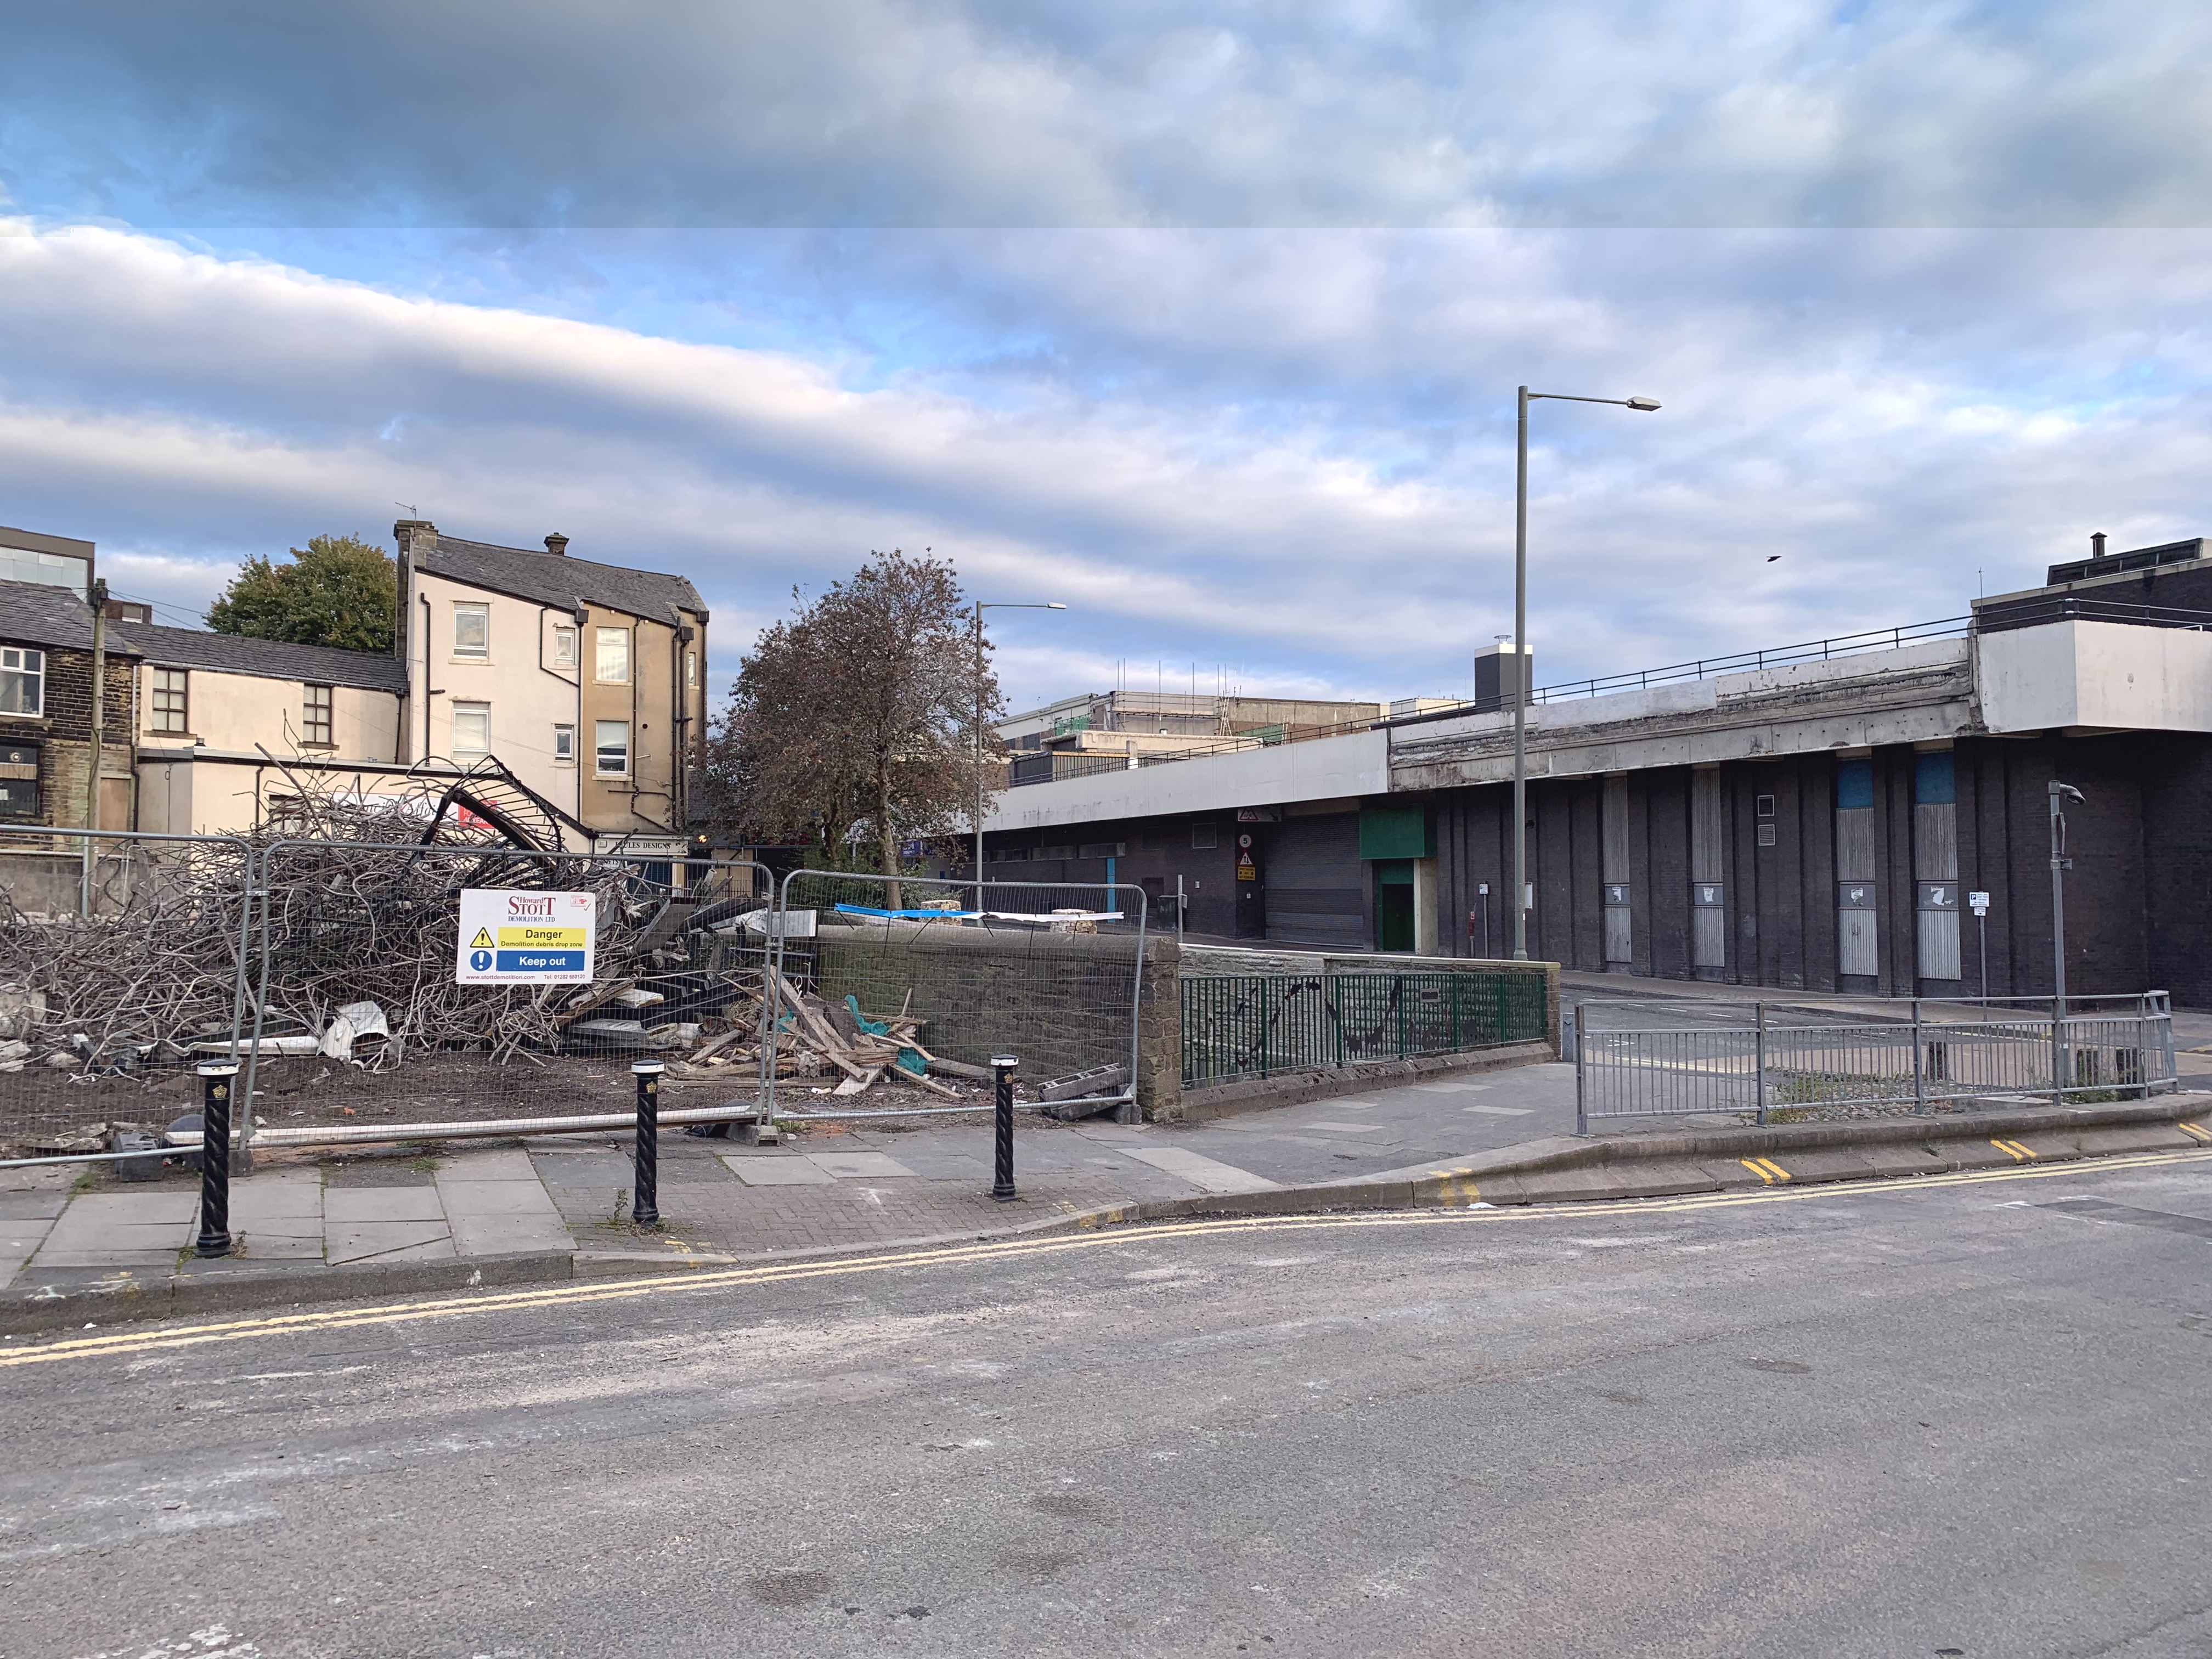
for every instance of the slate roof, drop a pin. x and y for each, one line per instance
(554, 579)
(33, 613)
(278, 660)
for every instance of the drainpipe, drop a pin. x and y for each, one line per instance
(99, 731)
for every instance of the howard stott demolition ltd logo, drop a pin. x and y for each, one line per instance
(508, 938)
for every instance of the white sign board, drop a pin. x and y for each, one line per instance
(509, 938)
(1979, 902)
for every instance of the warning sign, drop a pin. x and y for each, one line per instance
(1245, 871)
(509, 938)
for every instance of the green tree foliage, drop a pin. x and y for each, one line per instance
(852, 724)
(338, 590)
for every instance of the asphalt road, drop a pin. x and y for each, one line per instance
(1966, 1416)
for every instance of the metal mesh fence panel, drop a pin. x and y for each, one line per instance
(1255, 1025)
(117, 972)
(363, 1023)
(1774, 1063)
(894, 994)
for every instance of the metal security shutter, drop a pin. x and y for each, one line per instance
(1316, 889)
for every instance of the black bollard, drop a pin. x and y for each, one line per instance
(1002, 1175)
(645, 1202)
(217, 1081)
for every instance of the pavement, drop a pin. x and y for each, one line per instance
(66, 1230)
(1962, 1415)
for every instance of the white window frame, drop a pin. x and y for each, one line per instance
(328, 708)
(692, 669)
(481, 610)
(600, 748)
(564, 745)
(564, 645)
(26, 670)
(475, 710)
(182, 714)
(618, 637)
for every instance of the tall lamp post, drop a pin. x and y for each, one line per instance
(980, 607)
(1522, 676)
(2060, 864)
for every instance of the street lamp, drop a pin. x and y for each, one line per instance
(1522, 688)
(2060, 864)
(980, 607)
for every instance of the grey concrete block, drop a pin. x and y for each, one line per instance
(359, 1242)
(348, 1205)
(851, 1165)
(494, 1198)
(504, 1235)
(764, 1171)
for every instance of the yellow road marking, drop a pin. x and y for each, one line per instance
(2195, 1130)
(562, 1295)
(1758, 1167)
(2014, 1150)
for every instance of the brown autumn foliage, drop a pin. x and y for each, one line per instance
(852, 725)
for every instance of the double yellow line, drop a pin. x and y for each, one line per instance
(126, 1343)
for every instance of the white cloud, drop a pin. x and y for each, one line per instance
(1291, 453)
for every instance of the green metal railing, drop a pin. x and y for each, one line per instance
(1254, 1026)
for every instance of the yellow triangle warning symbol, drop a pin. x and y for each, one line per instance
(482, 941)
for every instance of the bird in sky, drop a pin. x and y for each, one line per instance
(1771, 558)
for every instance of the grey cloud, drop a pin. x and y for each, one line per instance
(1892, 411)
(876, 112)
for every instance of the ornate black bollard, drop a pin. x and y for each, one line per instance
(645, 1202)
(1002, 1175)
(217, 1078)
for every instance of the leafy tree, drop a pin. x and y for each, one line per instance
(855, 720)
(338, 590)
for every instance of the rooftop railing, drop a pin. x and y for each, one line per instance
(1995, 618)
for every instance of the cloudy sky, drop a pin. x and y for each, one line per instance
(1204, 318)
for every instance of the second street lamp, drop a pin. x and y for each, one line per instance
(980, 607)
(1522, 676)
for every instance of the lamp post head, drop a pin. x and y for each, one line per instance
(1055, 605)
(1645, 403)
(2066, 789)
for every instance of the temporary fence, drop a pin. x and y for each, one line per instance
(438, 991)
(333, 971)
(122, 958)
(1648, 1057)
(1257, 1025)
(913, 984)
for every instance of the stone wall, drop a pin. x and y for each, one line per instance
(1062, 1002)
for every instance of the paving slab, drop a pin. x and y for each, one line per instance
(353, 1205)
(489, 1198)
(414, 1240)
(493, 1164)
(757, 1172)
(156, 1203)
(848, 1165)
(504, 1235)
(1207, 1175)
(33, 1205)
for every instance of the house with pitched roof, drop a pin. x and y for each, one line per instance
(586, 680)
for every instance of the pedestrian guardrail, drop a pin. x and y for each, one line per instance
(1773, 1062)
(1237, 1026)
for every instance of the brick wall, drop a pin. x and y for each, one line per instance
(65, 738)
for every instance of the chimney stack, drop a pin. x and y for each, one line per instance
(557, 545)
(2097, 544)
